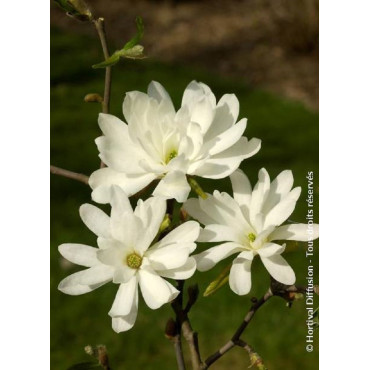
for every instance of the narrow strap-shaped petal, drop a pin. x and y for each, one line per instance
(279, 269)
(186, 232)
(126, 322)
(96, 220)
(181, 273)
(102, 180)
(210, 257)
(86, 280)
(270, 249)
(173, 185)
(220, 233)
(283, 209)
(240, 280)
(156, 291)
(125, 298)
(298, 232)
(79, 254)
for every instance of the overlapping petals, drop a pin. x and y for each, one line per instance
(250, 223)
(203, 138)
(129, 256)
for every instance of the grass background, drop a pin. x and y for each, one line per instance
(289, 134)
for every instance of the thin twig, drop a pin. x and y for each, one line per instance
(100, 28)
(255, 358)
(239, 331)
(69, 174)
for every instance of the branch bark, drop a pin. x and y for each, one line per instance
(190, 336)
(69, 174)
(178, 351)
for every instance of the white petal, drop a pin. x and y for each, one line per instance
(102, 180)
(240, 276)
(186, 232)
(194, 134)
(127, 229)
(96, 220)
(171, 256)
(151, 213)
(279, 269)
(298, 232)
(224, 210)
(95, 275)
(184, 272)
(113, 254)
(242, 191)
(79, 254)
(119, 202)
(124, 323)
(123, 274)
(86, 280)
(226, 114)
(173, 185)
(67, 287)
(283, 209)
(259, 194)
(159, 93)
(202, 113)
(195, 91)
(116, 148)
(134, 103)
(192, 207)
(226, 162)
(124, 299)
(226, 139)
(219, 233)
(279, 188)
(270, 249)
(156, 291)
(207, 259)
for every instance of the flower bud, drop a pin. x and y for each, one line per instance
(171, 329)
(93, 98)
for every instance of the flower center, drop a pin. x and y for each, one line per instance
(171, 155)
(134, 261)
(251, 237)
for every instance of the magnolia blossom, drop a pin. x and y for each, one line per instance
(202, 138)
(250, 224)
(125, 257)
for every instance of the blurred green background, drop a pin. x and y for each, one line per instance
(289, 133)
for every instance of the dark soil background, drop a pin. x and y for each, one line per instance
(272, 44)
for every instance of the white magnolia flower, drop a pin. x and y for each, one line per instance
(202, 138)
(250, 223)
(125, 258)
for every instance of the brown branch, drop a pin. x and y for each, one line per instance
(173, 333)
(69, 174)
(178, 351)
(277, 289)
(183, 322)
